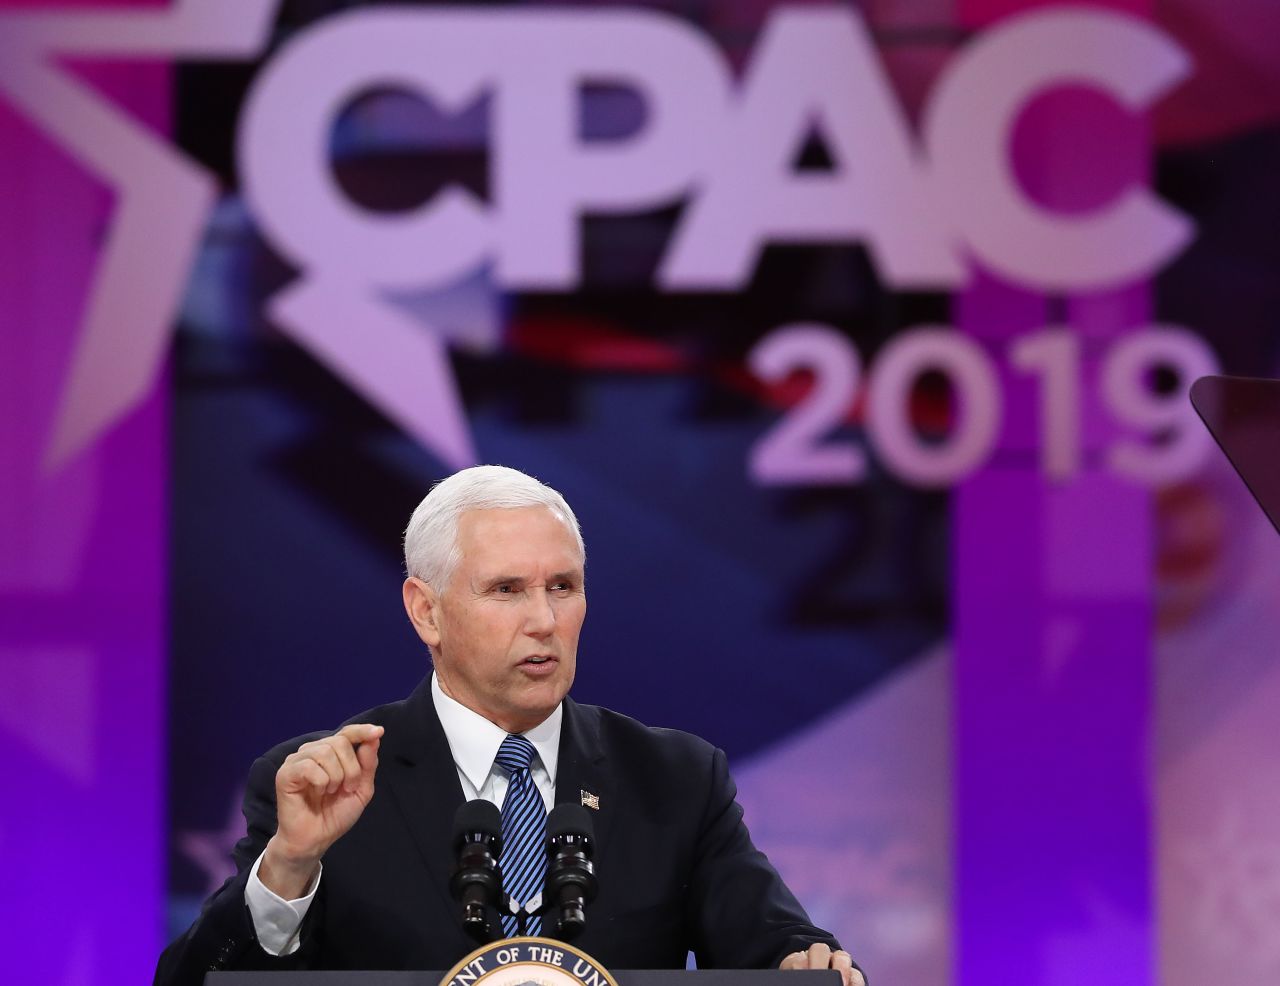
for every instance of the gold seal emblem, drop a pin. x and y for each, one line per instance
(528, 962)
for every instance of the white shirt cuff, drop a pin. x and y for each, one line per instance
(277, 921)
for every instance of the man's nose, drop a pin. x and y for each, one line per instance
(541, 618)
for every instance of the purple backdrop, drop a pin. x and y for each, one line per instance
(83, 586)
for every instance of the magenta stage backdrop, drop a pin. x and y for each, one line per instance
(83, 541)
(857, 334)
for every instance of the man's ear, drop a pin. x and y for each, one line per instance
(422, 604)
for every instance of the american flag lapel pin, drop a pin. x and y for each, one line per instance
(590, 800)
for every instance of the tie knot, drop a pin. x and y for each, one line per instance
(515, 753)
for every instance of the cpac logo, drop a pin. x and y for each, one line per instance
(926, 205)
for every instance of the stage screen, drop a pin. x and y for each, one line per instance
(859, 337)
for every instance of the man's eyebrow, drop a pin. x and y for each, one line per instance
(568, 575)
(490, 582)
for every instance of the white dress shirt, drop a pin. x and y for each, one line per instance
(473, 741)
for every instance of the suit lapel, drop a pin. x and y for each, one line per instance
(417, 768)
(582, 770)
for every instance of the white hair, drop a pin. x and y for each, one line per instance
(431, 539)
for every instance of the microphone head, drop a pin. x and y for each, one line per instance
(477, 817)
(568, 819)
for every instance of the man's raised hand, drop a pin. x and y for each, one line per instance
(320, 792)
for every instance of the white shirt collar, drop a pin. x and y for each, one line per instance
(474, 740)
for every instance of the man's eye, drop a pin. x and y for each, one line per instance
(504, 589)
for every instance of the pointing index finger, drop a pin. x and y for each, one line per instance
(360, 732)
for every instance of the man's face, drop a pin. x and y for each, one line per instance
(504, 633)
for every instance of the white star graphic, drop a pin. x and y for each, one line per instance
(211, 851)
(398, 363)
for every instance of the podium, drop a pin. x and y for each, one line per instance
(625, 977)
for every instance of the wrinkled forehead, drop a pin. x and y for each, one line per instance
(536, 538)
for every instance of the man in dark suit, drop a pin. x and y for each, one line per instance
(332, 876)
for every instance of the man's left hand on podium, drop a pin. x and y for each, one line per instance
(820, 956)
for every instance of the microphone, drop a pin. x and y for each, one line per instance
(476, 882)
(571, 878)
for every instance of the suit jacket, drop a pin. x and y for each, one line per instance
(676, 866)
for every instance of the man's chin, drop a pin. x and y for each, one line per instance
(537, 701)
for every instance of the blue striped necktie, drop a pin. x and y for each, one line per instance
(524, 826)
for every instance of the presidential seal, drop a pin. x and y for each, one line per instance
(528, 962)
